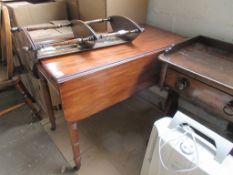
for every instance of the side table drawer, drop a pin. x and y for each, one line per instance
(208, 97)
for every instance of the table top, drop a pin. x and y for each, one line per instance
(69, 67)
(212, 64)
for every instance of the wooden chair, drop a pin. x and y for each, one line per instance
(8, 78)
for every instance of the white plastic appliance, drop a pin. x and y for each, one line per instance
(183, 146)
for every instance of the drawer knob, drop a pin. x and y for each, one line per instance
(181, 83)
(228, 108)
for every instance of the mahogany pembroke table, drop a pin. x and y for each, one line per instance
(89, 82)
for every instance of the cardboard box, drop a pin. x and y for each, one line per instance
(24, 13)
(93, 9)
(72, 8)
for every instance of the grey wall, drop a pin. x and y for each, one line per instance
(212, 18)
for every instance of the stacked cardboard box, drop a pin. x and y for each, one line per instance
(25, 13)
(92, 9)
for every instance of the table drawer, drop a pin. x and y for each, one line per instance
(210, 98)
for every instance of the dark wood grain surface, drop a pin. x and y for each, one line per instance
(208, 63)
(200, 93)
(201, 70)
(65, 68)
(90, 94)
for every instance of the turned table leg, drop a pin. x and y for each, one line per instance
(48, 102)
(74, 136)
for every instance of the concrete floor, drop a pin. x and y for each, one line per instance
(25, 147)
(113, 142)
